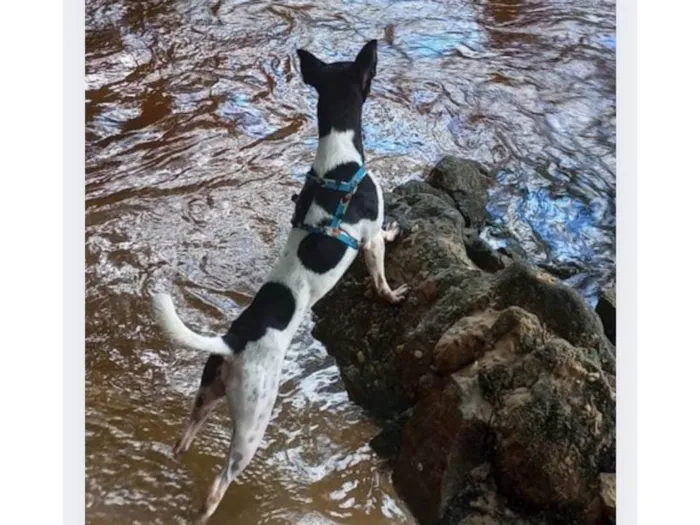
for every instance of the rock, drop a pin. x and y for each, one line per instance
(481, 253)
(562, 270)
(478, 503)
(543, 429)
(562, 309)
(462, 343)
(466, 182)
(441, 443)
(437, 268)
(606, 310)
(415, 187)
(387, 442)
(608, 495)
(504, 377)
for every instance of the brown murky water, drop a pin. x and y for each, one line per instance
(198, 132)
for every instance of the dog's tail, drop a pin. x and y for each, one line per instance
(176, 330)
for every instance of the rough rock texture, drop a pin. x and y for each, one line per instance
(466, 182)
(608, 495)
(606, 309)
(501, 379)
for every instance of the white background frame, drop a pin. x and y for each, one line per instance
(42, 217)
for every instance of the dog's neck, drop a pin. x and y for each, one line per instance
(336, 148)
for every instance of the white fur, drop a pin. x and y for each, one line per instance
(335, 149)
(176, 330)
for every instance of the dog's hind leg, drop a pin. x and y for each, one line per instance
(237, 460)
(251, 397)
(373, 252)
(211, 389)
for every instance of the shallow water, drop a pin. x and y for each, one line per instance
(198, 132)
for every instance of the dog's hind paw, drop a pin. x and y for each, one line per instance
(179, 448)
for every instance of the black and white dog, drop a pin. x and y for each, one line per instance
(338, 212)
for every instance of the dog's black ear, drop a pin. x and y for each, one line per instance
(366, 64)
(311, 67)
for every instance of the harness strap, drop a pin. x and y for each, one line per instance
(349, 188)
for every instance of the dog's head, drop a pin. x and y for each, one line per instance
(342, 86)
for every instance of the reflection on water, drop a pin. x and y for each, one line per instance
(197, 131)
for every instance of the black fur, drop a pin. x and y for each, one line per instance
(211, 371)
(320, 253)
(341, 112)
(272, 307)
(364, 204)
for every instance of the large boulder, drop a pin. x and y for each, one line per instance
(501, 377)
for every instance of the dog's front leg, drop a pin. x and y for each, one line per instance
(373, 252)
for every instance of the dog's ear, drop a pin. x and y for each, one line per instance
(366, 64)
(311, 67)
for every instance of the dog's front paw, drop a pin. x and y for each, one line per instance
(398, 295)
(391, 232)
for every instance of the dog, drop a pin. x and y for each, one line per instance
(338, 213)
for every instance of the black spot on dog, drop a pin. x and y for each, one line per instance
(272, 307)
(212, 369)
(234, 462)
(320, 253)
(198, 402)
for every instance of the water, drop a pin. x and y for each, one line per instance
(198, 130)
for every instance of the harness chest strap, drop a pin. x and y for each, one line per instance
(349, 188)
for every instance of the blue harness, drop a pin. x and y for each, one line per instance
(348, 188)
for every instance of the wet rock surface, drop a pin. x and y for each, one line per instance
(498, 379)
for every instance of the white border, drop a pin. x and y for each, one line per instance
(32, 266)
(626, 262)
(668, 286)
(74, 261)
(31, 261)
